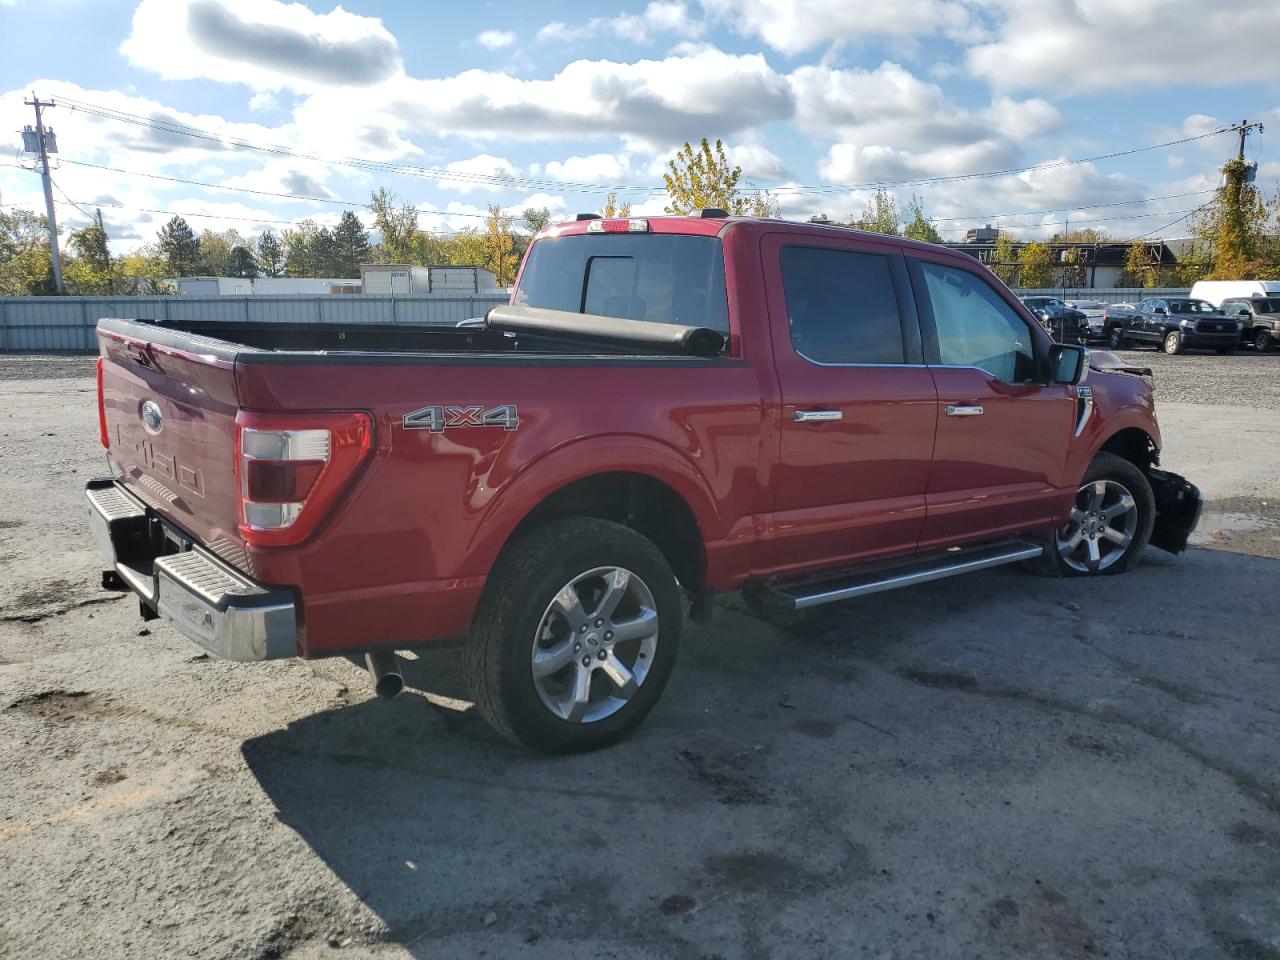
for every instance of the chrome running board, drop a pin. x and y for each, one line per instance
(848, 584)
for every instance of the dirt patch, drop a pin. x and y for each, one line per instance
(59, 706)
(726, 777)
(1249, 525)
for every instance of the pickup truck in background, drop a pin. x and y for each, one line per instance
(1259, 320)
(667, 409)
(1065, 323)
(1172, 324)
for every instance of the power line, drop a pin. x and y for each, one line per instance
(547, 183)
(260, 193)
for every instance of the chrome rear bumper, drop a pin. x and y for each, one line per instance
(218, 607)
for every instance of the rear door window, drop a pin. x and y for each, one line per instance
(841, 306)
(662, 278)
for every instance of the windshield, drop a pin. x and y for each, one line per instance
(663, 278)
(1269, 305)
(1191, 306)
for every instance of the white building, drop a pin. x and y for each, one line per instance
(239, 286)
(389, 278)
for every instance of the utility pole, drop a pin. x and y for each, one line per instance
(42, 148)
(1244, 129)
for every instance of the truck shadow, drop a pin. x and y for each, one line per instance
(767, 792)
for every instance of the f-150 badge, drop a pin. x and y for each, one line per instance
(440, 419)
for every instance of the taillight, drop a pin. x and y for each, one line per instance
(292, 468)
(102, 409)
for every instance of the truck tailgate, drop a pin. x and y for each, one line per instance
(170, 421)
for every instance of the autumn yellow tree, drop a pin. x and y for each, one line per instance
(1004, 259)
(612, 208)
(703, 177)
(1035, 266)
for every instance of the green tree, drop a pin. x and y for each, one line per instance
(270, 254)
(500, 254)
(703, 177)
(535, 218)
(1240, 226)
(350, 246)
(215, 254)
(145, 270)
(919, 228)
(1004, 259)
(1139, 271)
(399, 238)
(880, 216)
(179, 247)
(242, 263)
(612, 208)
(1035, 266)
(92, 271)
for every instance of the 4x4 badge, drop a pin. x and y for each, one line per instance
(439, 419)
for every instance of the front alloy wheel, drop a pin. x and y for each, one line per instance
(1173, 342)
(1101, 527)
(595, 644)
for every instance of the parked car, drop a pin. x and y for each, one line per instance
(1216, 291)
(668, 408)
(1065, 324)
(1093, 311)
(1173, 324)
(1259, 318)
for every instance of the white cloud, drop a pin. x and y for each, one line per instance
(660, 16)
(794, 26)
(757, 162)
(266, 44)
(1022, 119)
(495, 39)
(1120, 45)
(473, 173)
(654, 101)
(604, 168)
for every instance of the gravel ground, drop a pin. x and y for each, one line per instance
(996, 766)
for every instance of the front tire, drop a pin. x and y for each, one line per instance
(1172, 342)
(576, 636)
(1262, 341)
(1109, 525)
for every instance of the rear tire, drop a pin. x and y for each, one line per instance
(548, 599)
(1116, 340)
(1114, 511)
(1172, 342)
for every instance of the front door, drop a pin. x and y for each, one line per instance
(1003, 431)
(858, 406)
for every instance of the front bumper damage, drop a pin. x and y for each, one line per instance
(1178, 508)
(208, 601)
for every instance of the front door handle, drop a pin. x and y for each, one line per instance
(818, 416)
(964, 410)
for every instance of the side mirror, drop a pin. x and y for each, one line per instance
(1068, 363)
(1242, 312)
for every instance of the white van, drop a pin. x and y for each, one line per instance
(1215, 291)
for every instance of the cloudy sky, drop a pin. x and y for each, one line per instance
(274, 111)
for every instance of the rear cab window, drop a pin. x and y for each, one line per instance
(658, 277)
(827, 324)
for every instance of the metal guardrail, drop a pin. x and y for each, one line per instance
(67, 323)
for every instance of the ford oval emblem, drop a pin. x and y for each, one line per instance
(152, 418)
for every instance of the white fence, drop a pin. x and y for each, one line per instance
(67, 323)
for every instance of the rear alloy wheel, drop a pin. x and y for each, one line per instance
(1173, 342)
(1262, 341)
(1116, 340)
(1110, 521)
(575, 637)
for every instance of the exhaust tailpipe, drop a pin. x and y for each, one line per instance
(384, 667)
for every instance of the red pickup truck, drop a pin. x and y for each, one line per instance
(668, 408)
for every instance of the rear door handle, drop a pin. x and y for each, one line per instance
(818, 416)
(963, 410)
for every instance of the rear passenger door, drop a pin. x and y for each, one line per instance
(1003, 430)
(858, 405)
